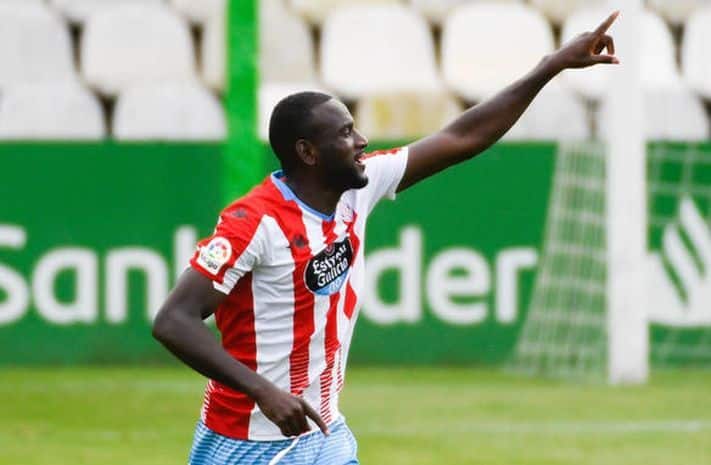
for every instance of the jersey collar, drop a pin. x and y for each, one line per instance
(277, 178)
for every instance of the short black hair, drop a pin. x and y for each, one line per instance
(291, 120)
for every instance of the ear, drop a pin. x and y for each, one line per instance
(306, 152)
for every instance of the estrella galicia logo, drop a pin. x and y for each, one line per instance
(327, 270)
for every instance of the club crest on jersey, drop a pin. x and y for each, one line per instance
(346, 214)
(327, 270)
(215, 254)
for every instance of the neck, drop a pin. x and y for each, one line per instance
(313, 193)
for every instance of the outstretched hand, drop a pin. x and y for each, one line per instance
(587, 48)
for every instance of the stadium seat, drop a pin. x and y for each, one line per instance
(670, 114)
(398, 117)
(556, 114)
(214, 53)
(79, 11)
(658, 56)
(200, 11)
(133, 44)
(50, 112)
(286, 46)
(34, 45)
(696, 48)
(316, 11)
(377, 49)
(270, 94)
(437, 10)
(677, 11)
(480, 54)
(169, 111)
(558, 10)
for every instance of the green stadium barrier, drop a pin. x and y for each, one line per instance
(78, 223)
(451, 262)
(92, 236)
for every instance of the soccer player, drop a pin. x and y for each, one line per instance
(283, 270)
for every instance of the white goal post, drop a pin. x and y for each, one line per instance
(628, 341)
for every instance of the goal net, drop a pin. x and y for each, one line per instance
(566, 333)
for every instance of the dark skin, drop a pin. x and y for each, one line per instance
(327, 166)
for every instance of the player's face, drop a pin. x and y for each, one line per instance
(340, 147)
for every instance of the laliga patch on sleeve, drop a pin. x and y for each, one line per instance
(215, 254)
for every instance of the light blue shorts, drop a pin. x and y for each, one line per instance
(339, 448)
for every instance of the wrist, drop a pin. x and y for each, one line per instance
(552, 65)
(259, 389)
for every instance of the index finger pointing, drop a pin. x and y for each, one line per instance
(311, 413)
(602, 28)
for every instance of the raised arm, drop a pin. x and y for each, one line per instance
(180, 328)
(484, 124)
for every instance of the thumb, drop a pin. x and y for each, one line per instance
(604, 59)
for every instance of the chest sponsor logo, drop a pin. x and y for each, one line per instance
(327, 270)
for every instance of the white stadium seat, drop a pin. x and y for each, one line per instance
(670, 114)
(286, 46)
(80, 10)
(315, 11)
(658, 55)
(376, 49)
(214, 53)
(398, 117)
(437, 10)
(559, 10)
(696, 52)
(286, 59)
(270, 94)
(169, 111)
(200, 11)
(129, 45)
(481, 54)
(50, 112)
(556, 114)
(677, 11)
(35, 45)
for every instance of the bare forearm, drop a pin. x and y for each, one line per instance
(484, 124)
(477, 128)
(188, 338)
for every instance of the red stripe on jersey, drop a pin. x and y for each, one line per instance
(292, 225)
(350, 302)
(227, 411)
(331, 342)
(339, 370)
(351, 298)
(382, 152)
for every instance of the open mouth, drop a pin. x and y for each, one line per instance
(359, 159)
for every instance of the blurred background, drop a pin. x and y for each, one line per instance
(546, 303)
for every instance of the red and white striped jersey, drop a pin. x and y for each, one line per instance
(293, 277)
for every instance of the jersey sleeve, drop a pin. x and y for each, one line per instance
(234, 249)
(385, 170)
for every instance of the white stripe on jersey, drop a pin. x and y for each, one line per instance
(243, 262)
(273, 303)
(317, 352)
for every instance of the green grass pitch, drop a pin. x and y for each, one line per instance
(413, 416)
